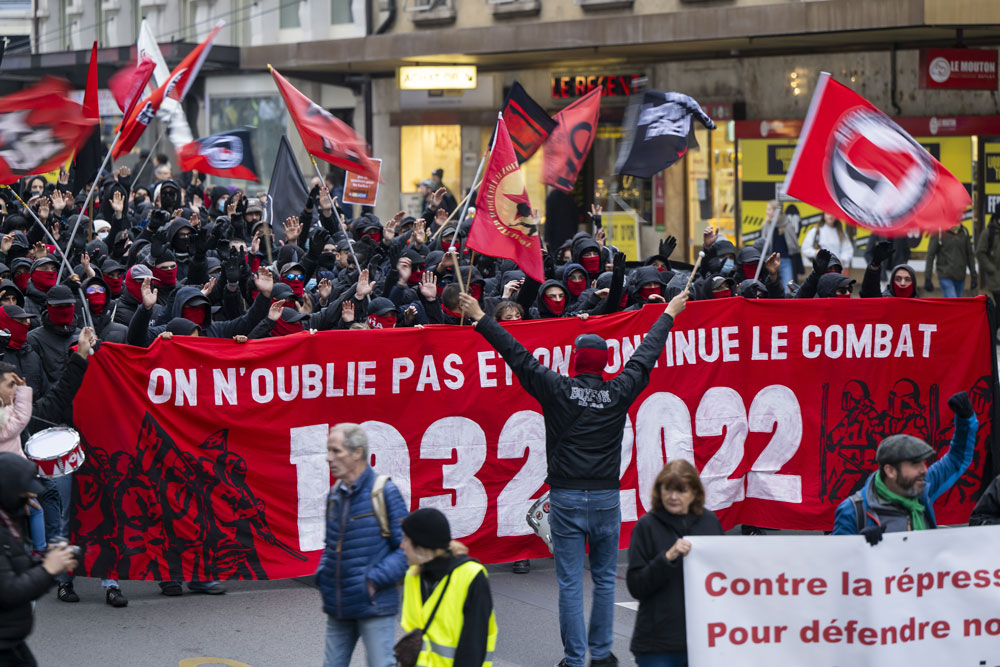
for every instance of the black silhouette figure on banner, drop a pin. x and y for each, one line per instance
(169, 507)
(848, 449)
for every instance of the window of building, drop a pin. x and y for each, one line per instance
(424, 148)
(711, 183)
(340, 12)
(288, 14)
(265, 113)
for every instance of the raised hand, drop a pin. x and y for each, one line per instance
(293, 229)
(117, 203)
(881, 253)
(364, 287)
(511, 288)
(264, 282)
(822, 261)
(274, 312)
(440, 217)
(596, 210)
(667, 246)
(59, 200)
(389, 229)
(405, 269)
(6, 242)
(325, 203)
(470, 307)
(428, 286)
(347, 311)
(410, 314)
(324, 290)
(149, 295)
(601, 237)
(420, 231)
(677, 304)
(772, 264)
(709, 236)
(209, 286)
(434, 199)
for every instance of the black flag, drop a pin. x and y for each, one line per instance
(527, 123)
(656, 132)
(287, 193)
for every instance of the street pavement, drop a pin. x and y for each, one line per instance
(280, 624)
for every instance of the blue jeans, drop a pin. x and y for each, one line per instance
(377, 632)
(576, 519)
(661, 659)
(951, 289)
(193, 585)
(36, 522)
(51, 503)
(786, 270)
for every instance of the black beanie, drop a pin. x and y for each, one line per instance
(428, 528)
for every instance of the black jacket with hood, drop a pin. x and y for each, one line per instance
(585, 415)
(829, 284)
(52, 344)
(870, 283)
(22, 577)
(142, 334)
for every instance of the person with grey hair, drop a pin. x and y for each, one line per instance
(363, 560)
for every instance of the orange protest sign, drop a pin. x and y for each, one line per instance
(360, 189)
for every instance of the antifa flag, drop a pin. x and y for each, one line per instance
(503, 226)
(40, 128)
(656, 132)
(287, 194)
(128, 83)
(206, 472)
(527, 123)
(174, 88)
(853, 162)
(225, 154)
(325, 136)
(88, 159)
(569, 143)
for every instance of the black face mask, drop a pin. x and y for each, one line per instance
(168, 200)
(182, 243)
(139, 199)
(328, 260)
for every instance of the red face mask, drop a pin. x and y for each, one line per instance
(591, 264)
(43, 280)
(588, 360)
(661, 269)
(194, 313)
(298, 286)
(61, 315)
(721, 293)
(646, 292)
(621, 304)
(21, 280)
(98, 302)
(134, 287)
(902, 291)
(749, 270)
(18, 331)
(283, 328)
(376, 237)
(381, 321)
(451, 313)
(476, 291)
(114, 284)
(415, 277)
(167, 277)
(557, 307)
(843, 296)
(577, 286)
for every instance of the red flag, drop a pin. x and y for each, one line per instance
(128, 83)
(91, 109)
(503, 226)
(568, 145)
(226, 154)
(853, 162)
(324, 135)
(40, 128)
(175, 87)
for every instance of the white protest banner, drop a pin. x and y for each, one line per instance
(919, 599)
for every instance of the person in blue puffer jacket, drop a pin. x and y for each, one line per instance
(360, 568)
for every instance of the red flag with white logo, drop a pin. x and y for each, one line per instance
(503, 226)
(325, 136)
(128, 83)
(40, 128)
(568, 145)
(175, 87)
(855, 163)
(226, 154)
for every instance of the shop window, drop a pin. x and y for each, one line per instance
(340, 12)
(424, 148)
(267, 114)
(711, 182)
(288, 14)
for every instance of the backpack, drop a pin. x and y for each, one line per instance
(379, 508)
(859, 510)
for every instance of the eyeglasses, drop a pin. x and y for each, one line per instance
(95, 289)
(295, 276)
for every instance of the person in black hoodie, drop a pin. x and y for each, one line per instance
(58, 332)
(902, 279)
(655, 575)
(584, 421)
(23, 578)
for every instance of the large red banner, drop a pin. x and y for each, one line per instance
(211, 464)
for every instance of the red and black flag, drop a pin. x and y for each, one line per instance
(325, 136)
(128, 83)
(658, 132)
(567, 147)
(40, 128)
(527, 123)
(225, 154)
(87, 160)
(855, 163)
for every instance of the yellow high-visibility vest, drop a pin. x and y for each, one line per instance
(441, 638)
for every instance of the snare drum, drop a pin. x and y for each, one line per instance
(55, 451)
(538, 519)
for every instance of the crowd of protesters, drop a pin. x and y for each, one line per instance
(183, 258)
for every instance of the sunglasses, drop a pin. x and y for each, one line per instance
(95, 289)
(294, 276)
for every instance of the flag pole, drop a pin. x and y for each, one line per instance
(152, 151)
(93, 187)
(465, 202)
(767, 245)
(62, 256)
(340, 221)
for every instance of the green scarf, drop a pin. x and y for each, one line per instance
(913, 504)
